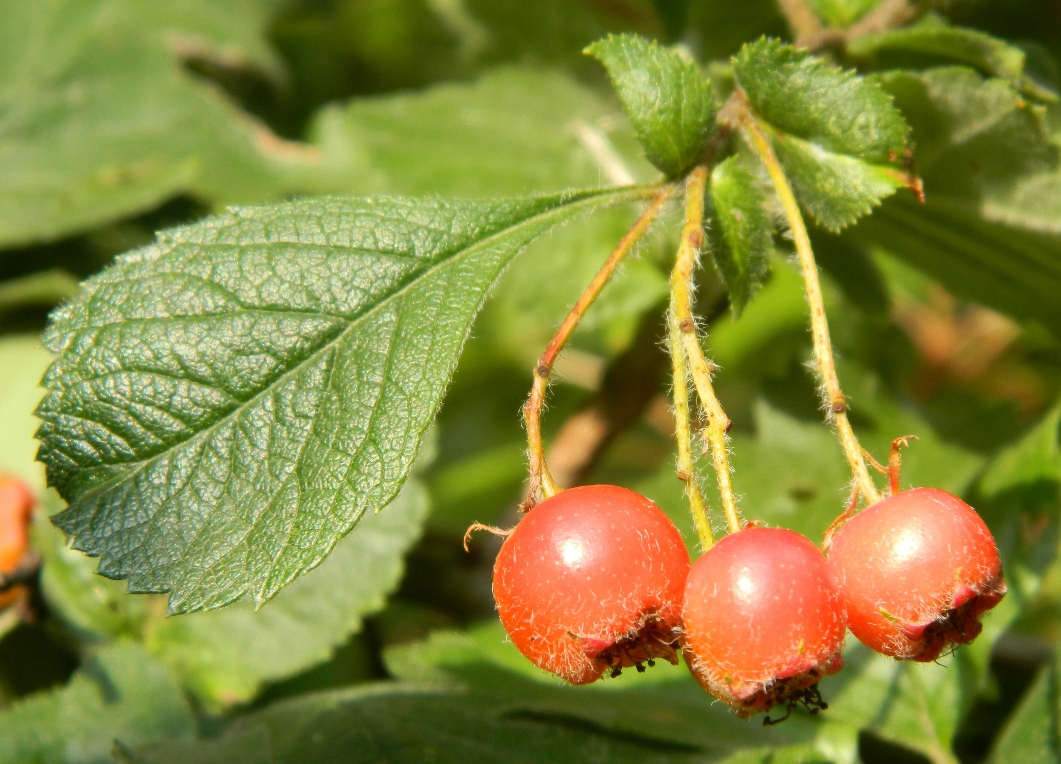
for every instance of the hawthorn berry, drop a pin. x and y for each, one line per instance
(763, 620)
(590, 581)
(917, 571)
(16, 504)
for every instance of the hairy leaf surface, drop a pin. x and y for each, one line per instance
(837, 134)
(227, 403)
(742, 235)
(668, 100)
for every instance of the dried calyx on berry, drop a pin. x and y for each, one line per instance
(917, 571)
(763, 621)
(590, 582)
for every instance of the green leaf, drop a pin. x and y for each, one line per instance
(668, 100)
(1030, 734)
(121, 695)
(837, 110)
(743, 233)
(664, 703)
(837, 134)
(225, 656)
(403, 724)
(837, 190)
(989, 229)
(989, 55)
(227, 403)
(99, 120)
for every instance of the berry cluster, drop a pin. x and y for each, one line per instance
(596, 579)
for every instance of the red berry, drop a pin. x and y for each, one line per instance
(591, 580)
(917, 571)
(16, 504)
(763, 620)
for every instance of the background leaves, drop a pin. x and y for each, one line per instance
(98, 120)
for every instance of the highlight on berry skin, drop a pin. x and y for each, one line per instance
(763, 621)
(590, 583)
(917, 570)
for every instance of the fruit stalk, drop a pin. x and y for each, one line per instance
(681, 286)
(835, 403)
(541, 481)
(683, 432)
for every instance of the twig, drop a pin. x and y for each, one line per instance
(681, 282)
(835, 403)
(540, 479)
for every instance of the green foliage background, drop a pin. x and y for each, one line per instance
(120, 118)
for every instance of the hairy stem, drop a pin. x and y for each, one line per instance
(540, 480)
(835, 403)
(683, 431)
(681, 285)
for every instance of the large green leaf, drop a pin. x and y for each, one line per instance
(99, 120)
(227, 403)
(120, 696)
(837, 134)
(668, 99)
(990, 227)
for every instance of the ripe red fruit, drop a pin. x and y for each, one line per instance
(917, 570)
(590, 581)
(763, 620)
(16, 503)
